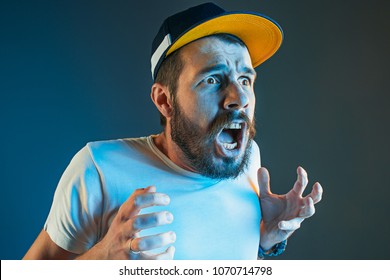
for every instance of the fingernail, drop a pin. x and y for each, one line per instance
(169, 216)
(173, 236)
(166, 199)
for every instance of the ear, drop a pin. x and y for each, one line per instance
(161, 98)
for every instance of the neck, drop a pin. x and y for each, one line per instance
(168, 147)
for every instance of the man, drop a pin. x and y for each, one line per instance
(191, 192)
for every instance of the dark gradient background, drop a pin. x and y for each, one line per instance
(78, 71)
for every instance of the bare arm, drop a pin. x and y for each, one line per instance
(122, 240)
(44, 248)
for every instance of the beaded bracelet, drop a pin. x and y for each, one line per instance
(274, 251)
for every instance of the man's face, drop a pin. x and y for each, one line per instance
(213, 113)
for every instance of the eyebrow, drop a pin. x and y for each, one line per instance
(222, 67)
(249, 70)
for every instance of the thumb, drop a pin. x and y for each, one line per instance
(263, 179)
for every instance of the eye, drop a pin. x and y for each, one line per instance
(211, 80)
(245, 81)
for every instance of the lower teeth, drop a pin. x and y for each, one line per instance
(229, 146)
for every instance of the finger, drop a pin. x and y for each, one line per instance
(301, 183)
(151, 199)
(136, 193)
(308, 209)
(166, 255)
(151, 242)
(290, 225)
(128, 207)
(316, 193)
(155, 219)
(150, 189)
(140, 199)
(264, 181)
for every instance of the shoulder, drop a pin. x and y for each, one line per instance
(116, 147)
(107, 145)
(89, 165)
(114, 144)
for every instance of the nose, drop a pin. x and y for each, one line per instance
(235, 97)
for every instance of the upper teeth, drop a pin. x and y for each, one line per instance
(233, 126)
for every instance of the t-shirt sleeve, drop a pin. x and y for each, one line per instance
(75, 216)
(256, 155)
(253, 167)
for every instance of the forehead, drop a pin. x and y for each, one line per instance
(210, 51)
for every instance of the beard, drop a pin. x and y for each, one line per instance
(199, 148)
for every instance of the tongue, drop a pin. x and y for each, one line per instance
(226, 136)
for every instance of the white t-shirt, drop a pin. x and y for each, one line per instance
(213, 219)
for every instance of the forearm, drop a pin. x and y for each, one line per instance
(105, 250)
(44, 248)
(95, 253)
(270, 245)
(266, 241)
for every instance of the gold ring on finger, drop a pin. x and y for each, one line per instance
(131, 248)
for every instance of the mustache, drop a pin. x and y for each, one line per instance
(227, 117)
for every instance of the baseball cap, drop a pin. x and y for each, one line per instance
(261, 34)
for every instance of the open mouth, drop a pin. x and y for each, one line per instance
(231, 135)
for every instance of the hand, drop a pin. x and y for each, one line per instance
(283, 214)
(122, 241)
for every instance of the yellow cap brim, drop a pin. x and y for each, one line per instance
(261, 36)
